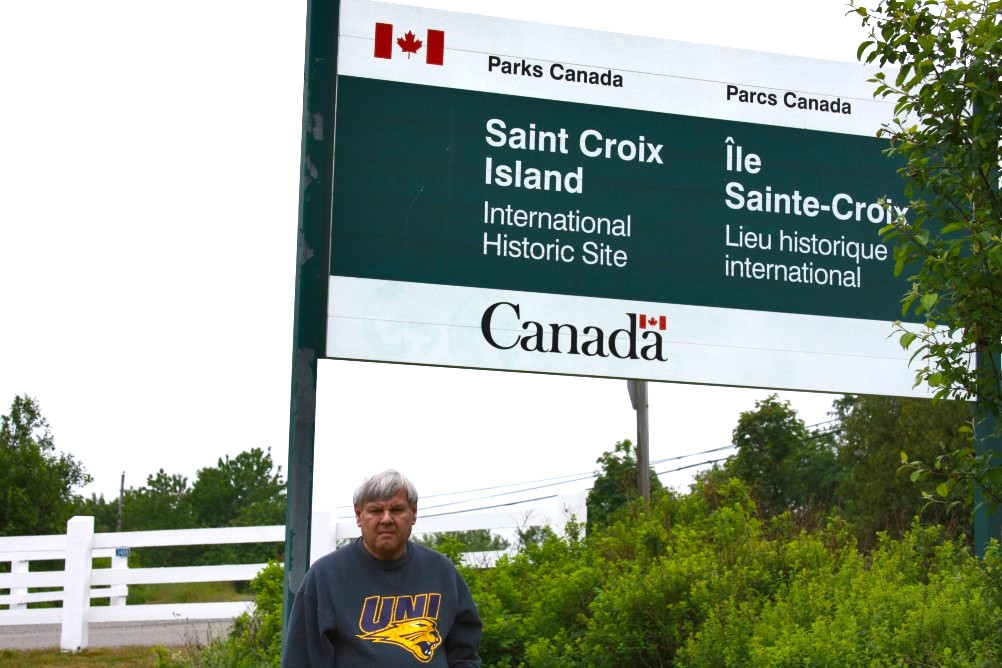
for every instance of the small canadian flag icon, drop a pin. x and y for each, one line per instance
(652, 321)
(433, 44)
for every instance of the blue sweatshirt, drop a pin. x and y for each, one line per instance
(356, 611)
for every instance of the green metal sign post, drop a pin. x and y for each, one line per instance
(988, 515)
(312, 272)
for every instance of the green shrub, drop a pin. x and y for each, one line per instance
(920, 601)
(700, 580)
(255, 639)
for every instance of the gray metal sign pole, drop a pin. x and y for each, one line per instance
(638, 397)
(316, 181)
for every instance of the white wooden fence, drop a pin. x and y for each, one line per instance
(79, 582)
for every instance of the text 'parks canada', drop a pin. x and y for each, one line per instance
(556, 71)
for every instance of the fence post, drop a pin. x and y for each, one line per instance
(18, 567)
(76, 583)
(120, 592)
(321, 542)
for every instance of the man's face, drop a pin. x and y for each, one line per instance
(386, 525)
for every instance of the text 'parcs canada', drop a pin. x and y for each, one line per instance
(790, 100)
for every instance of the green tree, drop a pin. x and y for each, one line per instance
(164, 502)
(246, 490)
(454, 543)
(243, 491)
(785, 466)
(692, 583)
(948, 103)
(615, 487)
(104, 512)
(36, 481)
(239, 491)
(876, 496)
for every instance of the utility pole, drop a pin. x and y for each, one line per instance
(638, 397)
(121, 497)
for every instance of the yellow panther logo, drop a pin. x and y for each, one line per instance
(419, 636)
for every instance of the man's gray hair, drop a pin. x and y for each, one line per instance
(385, 485)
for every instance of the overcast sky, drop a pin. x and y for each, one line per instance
(149, 168)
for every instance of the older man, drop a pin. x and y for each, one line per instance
(383, 600)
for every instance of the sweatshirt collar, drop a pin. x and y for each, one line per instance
(390, 565)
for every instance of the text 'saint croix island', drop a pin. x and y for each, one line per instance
(603, 233)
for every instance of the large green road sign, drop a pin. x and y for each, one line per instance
(518, 196)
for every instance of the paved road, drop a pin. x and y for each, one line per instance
(118, 634)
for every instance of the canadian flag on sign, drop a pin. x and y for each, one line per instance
(652, 321)
(434, 44)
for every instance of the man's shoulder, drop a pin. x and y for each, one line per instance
(333, 561)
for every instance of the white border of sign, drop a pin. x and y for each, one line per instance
(659, 75)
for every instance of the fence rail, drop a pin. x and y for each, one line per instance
(79, 582)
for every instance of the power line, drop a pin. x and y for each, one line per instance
(574, 477)
(514, 491)
(690, 466)
(554, 496)
(485, 489)
(510, 484)
(694, 454)
(587, 476)
(500, 505)
(580, 476)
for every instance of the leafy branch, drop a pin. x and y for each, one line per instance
(947, 94)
